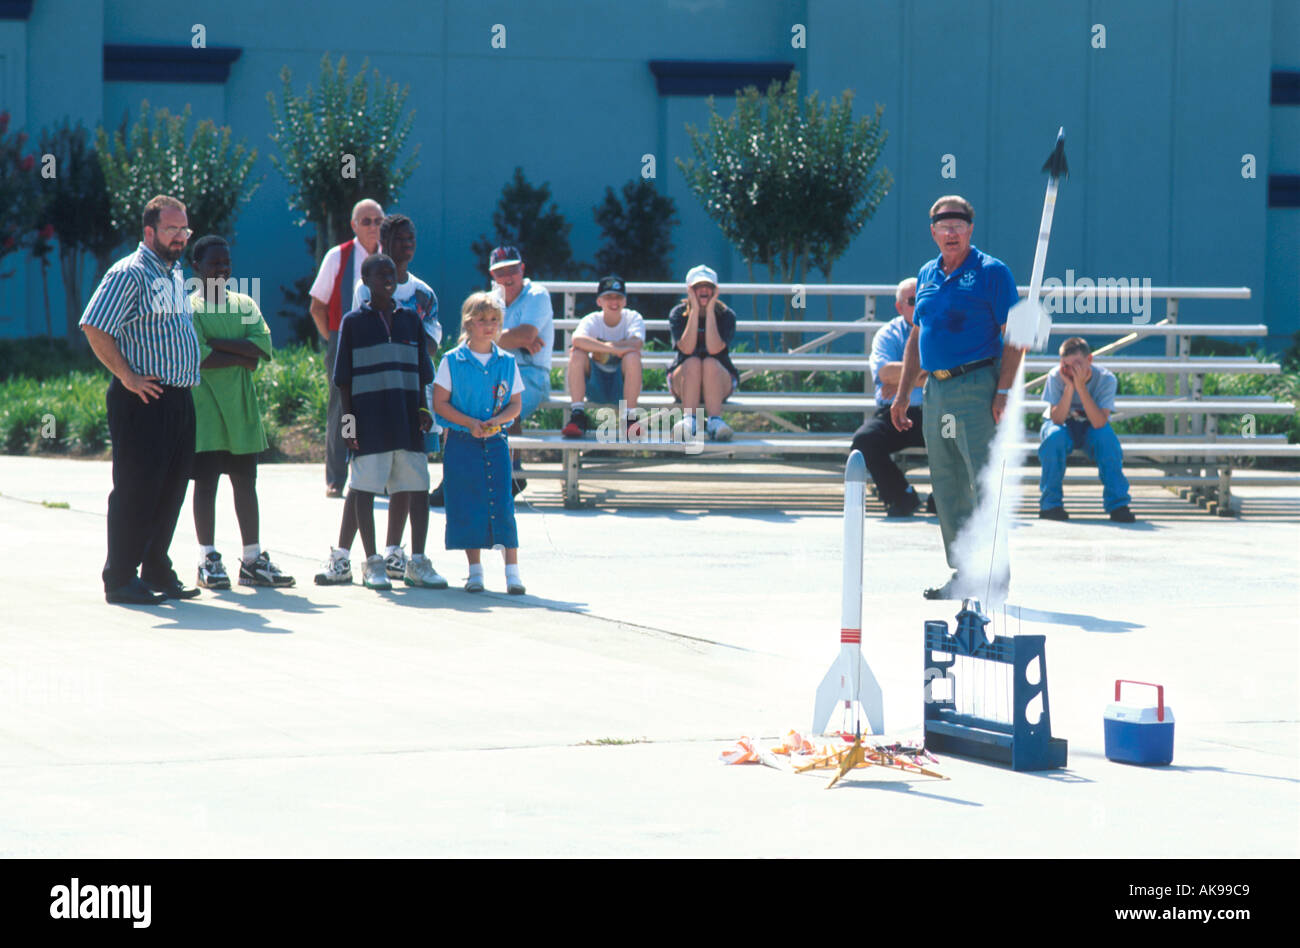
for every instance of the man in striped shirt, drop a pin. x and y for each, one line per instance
(140, 325)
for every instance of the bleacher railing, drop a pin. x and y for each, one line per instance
(1185, 382)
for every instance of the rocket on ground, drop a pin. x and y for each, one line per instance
(849, 679)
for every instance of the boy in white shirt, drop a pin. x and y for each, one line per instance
(606, 356)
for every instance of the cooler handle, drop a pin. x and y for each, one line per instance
(1160, 694)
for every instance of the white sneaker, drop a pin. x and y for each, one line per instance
(684, 430)
(420, 572)
(395, 564)
(212, 573)
(718, 430)
(262, 572)
(337, 571)
(374, 576)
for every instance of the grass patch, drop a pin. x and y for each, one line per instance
(56, 504)
(611, 741)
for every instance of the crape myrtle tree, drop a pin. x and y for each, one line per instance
(18, 193)
(636, 237)
(339, 142)
(522, 219)
(789, 183)
(156, 155)
(75, 208)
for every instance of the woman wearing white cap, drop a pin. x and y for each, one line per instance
(702, 327)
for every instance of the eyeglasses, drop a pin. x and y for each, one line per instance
(951, 227)
(178, 231)
(370, 221)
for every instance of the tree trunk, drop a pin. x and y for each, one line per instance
(789, 268)
(829, 311)
(753, 301)
(70, 271)
(45, 288)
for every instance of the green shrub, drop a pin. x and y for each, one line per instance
(73, 402)
(41, 357)
(292, 388)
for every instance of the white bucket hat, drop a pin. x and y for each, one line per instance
(701, 274)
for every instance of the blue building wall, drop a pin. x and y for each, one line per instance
(1156, 122)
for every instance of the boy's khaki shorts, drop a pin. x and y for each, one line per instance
(390, 472)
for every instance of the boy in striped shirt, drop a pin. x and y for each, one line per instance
(381, 371)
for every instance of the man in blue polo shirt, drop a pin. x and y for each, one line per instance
(962, 300)
(877, 439)
(528, 334)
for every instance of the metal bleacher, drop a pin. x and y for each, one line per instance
(1190, 453)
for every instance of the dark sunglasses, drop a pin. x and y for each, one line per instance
(370, 221)
(911, 301)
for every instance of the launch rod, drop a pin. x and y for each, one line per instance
(1056, 168)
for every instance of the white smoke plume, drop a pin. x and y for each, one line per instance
(981, 551)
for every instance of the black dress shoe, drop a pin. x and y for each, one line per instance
(517, 484)
(134, 593)
(946, 591)
(172, 588)
(1122, 515)
(436, 498)
(904, 506)
(1053, 513)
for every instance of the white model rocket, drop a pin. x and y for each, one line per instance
(850, 680)
(1028, 323)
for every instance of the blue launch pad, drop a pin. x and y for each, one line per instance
(1018, 743)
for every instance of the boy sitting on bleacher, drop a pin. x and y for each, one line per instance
(1080, 397)
(606, 357)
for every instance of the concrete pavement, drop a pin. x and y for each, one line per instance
(343, 722)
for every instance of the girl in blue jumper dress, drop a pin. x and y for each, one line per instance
(476, 394)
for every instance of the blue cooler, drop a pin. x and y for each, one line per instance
(1136, 735)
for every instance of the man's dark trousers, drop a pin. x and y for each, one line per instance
(877, 439)
(153, 449)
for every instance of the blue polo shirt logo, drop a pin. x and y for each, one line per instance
(967, 281)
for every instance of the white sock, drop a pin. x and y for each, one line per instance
(204, 551)
(252, 552)
(340, 554)
(512, 574)
(576, 406)
(476, 571)
(389, 551)
(715, 420)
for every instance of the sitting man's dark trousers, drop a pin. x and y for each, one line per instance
(877, 439)
(153, 448)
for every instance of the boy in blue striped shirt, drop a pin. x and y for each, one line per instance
(381, 371)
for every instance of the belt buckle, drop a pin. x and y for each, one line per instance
(942, 374)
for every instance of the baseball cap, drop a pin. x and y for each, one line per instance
(504, 257)
(611, 284)
(701, 274)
